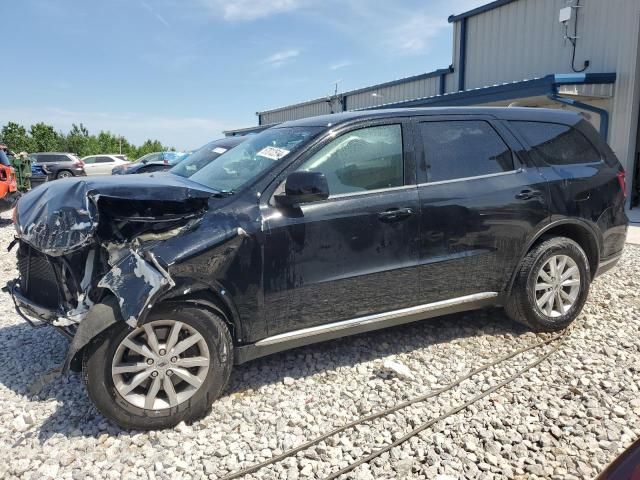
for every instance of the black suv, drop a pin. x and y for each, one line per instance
(312, 230)
(59, 165)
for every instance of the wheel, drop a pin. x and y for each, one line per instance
(166, 371)
(64, 174)
(551, 285)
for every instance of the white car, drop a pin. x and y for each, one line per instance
(102, 164)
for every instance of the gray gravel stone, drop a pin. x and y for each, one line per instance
(567, 418)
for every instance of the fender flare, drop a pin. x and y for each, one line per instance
(211, 297)
(588, 229)
(99, 317)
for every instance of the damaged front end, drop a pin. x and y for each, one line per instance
(85, 256)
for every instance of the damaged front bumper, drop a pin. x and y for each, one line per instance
(135, 281)
(35, 315)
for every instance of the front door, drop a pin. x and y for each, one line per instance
(356, 253)
(479, 206)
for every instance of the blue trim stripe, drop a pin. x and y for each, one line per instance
(463, 54)
(570, 77)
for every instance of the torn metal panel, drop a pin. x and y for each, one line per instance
(136, 283)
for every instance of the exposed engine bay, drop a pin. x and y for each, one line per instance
(83, 240)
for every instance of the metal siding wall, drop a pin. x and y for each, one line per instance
(314, 109)
(404, 91)
(525, 40)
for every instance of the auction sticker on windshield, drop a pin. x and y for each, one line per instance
(274, 153)
(219, 150)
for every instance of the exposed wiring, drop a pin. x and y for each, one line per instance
(574, 40)
(421, 398)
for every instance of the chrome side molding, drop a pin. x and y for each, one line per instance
(372, 319)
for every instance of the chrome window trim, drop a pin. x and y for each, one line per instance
(464, 179)
(366, 192)
(375, 318)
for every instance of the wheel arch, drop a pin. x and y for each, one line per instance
(579, 231)
(106, 313)
(212, 298)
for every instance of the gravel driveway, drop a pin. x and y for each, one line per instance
(567, 418)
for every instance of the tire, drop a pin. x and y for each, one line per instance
(109, 354)
(64, 174)
(530, 287)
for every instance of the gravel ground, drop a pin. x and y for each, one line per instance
(567, 418)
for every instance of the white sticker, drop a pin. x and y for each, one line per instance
(274, 153)
(219, 150)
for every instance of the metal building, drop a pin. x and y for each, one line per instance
(578, 54)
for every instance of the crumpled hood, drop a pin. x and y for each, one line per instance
(61, 216)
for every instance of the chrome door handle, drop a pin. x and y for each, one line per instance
(528, 194)
(395, 214)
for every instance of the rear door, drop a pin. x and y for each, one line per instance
(103, 165)
(90, 166)
(356, 253)
(479, 204)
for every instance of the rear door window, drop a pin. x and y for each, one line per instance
(458, 149)
(104, 160)
(557, 144)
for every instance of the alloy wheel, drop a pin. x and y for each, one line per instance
(557, 286)
(160, 364)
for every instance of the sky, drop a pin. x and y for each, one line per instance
(182, 71)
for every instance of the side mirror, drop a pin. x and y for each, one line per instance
(303, 187)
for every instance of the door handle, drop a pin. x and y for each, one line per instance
(528, 194)
(395, 214)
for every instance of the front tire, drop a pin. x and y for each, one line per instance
(166, 371)
(551, 285)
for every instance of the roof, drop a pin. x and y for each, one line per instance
(481, 9)
(243, 130)
(413, 78)
(510, 113)
(507, 91)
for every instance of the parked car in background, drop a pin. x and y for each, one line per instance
(312, 230)
(60, 165)
(151, 162)
(205, 155)
(38, 175)
(102, 164)
(9, 193)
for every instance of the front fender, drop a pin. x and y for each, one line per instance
(136, 282)
(99, 317)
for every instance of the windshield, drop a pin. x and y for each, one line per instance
(146, 157)
(199, 159)
(173, 158)
(251, 158)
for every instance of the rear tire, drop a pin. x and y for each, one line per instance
(64, 174)
(196, 374)
(551, 285)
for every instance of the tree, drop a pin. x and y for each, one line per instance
(77, 140)
(15, 136)
(45, 138)
(150, 146)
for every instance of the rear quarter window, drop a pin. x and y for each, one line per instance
(557, 144)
